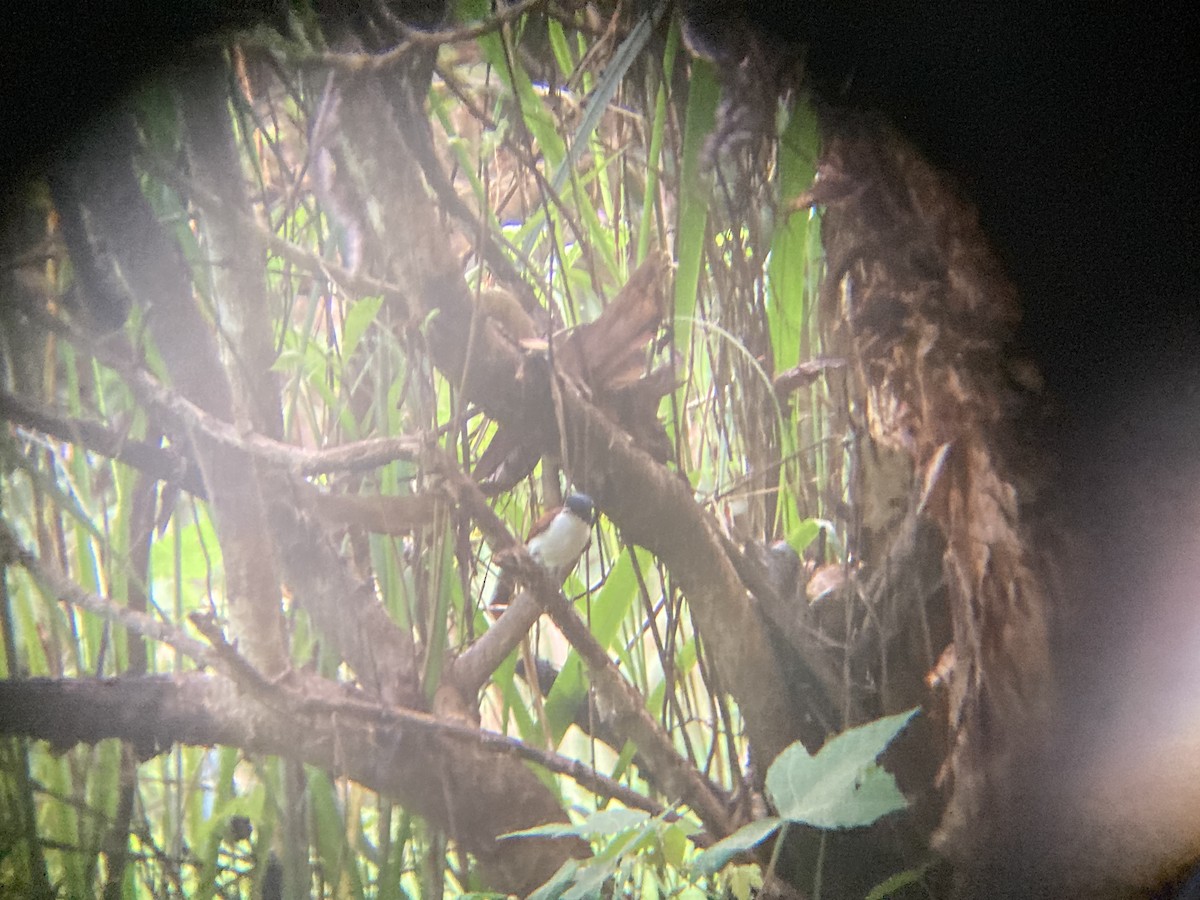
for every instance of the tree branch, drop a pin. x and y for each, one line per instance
(620, 699)
(406, 756)
(653, 506)
(162, 463)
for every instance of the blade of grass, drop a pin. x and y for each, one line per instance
(657, 131)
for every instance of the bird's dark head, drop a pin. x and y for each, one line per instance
(582, 506)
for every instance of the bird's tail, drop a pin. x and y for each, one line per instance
(502, 596)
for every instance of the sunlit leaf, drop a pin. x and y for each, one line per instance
(842, 786)
(745, 838)
(609, 822)
(358, 319)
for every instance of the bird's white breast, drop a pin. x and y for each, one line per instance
(561, 543)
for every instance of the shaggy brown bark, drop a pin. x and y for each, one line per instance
(917, 302)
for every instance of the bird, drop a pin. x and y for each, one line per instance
(555, 542)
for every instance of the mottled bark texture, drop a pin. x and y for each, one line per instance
(918, 303)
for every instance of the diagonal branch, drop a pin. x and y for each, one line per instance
(626, 707)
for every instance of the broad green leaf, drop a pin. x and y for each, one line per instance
(339, 864)
(804, 534)
(591, 878)
(842, 786)
(610, 822)
(744, 882)
(745, 838)
(675, 843)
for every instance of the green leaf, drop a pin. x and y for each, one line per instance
(900, 880)
(842, 786)
(657, 132)
(609, 609)
(744, 882)
(703, 92)
(558, 882)
(550, 829)
(611, 822)
(590, 879)
(745, 838)
(560, 48)
(804, 534)
(792, 269)
(338, 861)
(575, 879)
(602, 824)
(606, 89)
(675, 843)
(358, 319)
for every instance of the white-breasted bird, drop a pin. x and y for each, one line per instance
(555, 542)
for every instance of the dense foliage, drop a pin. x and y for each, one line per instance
(301, 340)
